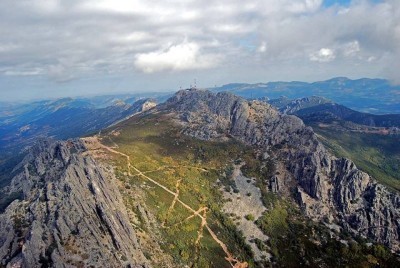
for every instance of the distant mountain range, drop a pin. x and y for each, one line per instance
(358, 101)
(65, 118)
(323, 110)
(375, 96)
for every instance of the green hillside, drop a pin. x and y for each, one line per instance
(180, 181)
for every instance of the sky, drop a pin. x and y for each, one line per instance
(54, 48)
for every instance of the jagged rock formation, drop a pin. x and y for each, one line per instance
(147, 104)
(326, 188)
(139, 106)
(70, 214)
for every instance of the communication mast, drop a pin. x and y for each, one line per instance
(194, 86)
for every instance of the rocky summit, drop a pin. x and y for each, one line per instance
(326, 188)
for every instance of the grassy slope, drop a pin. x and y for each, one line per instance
(378, 155)
(153, 142)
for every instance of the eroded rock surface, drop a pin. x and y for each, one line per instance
(70, 213)
(246, 205)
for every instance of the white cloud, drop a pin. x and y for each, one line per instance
(263, 47)
(304, 6)
(185, 56)
(323, 55)
(30, 72)
(68, 39)
(351, 48)
(121, 6)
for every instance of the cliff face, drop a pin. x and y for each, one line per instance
(69, 213)
(326, 187)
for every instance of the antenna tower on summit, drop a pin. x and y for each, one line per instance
(194, 86)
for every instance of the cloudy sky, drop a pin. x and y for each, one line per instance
(51, 48)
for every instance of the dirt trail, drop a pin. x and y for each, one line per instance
(203, 223)
(197, 213)
(233, 262)
(171, 207)
(128, 159)
(178, 183)
(172, 167)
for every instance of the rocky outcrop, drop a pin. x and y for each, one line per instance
(364, 205)
(142, 105)
(139, 106)
(299, 104)
(327, 188)
(70, 213)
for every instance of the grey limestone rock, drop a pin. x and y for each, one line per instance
(71, 213)
(327, 187)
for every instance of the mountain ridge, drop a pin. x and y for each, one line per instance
(311, 107)
(66, 176)
(329, 187)
(365, 94)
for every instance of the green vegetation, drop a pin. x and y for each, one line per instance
(296, 241)
(274, 223)
(250, 217)
(378, 155)
(193, 167)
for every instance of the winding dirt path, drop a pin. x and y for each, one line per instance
(233, 261)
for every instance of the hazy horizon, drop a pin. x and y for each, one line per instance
(57, 48)
(97, 93)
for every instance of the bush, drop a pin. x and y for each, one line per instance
(381, 252)
(260, 244)
(249, 217)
